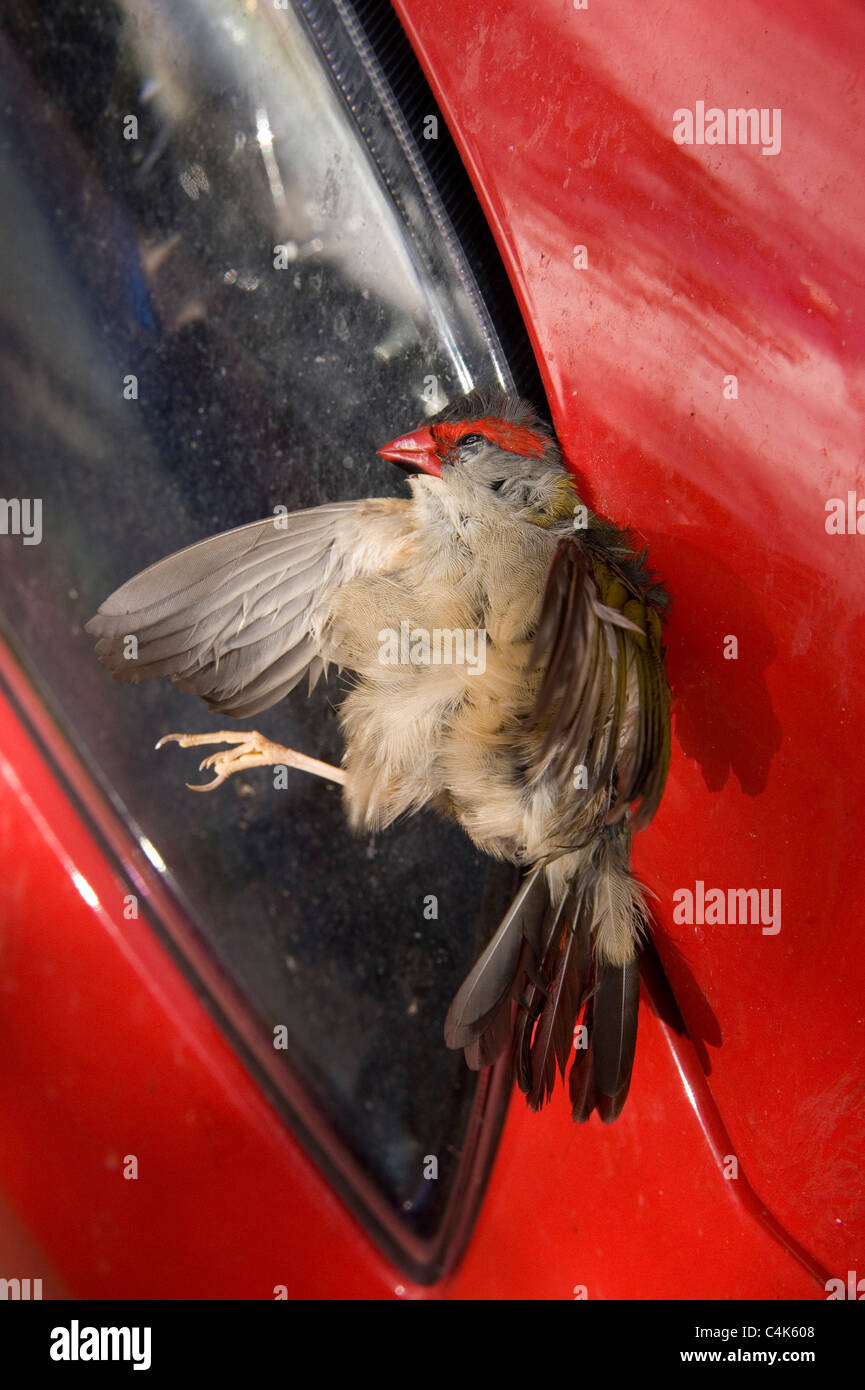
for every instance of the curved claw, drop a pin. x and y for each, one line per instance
(248, 750)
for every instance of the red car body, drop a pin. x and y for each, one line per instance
(702, 263)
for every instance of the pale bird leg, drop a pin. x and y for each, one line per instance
(253, 750)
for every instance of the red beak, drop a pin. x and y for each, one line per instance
(415, 451)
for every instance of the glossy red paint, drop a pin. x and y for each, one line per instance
(705, 263)
(702, 262)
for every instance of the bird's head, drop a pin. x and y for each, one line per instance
(486, 454)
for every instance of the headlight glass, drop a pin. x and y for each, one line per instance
(233, 280)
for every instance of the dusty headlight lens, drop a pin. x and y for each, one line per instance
(235, 280)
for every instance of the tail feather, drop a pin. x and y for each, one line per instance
(531, 995)
(493, 1041)
(581, 1082)
(555, 1029)
(614, 1033)
(491, 978)
(609, 1108)
(575, 972)
(556, 953)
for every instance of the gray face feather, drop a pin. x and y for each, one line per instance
(495, 480)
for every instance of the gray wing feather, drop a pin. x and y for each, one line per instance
(235, 619)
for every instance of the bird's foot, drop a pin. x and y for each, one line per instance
(251, 750)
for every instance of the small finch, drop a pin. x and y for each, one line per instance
(507, 669)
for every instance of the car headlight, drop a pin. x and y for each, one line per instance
(236, 276)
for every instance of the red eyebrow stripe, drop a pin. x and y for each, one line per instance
(518, 439)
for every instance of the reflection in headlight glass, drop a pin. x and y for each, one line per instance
(233, 282)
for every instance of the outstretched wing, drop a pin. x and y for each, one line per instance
(603, 703)
(238, 618)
